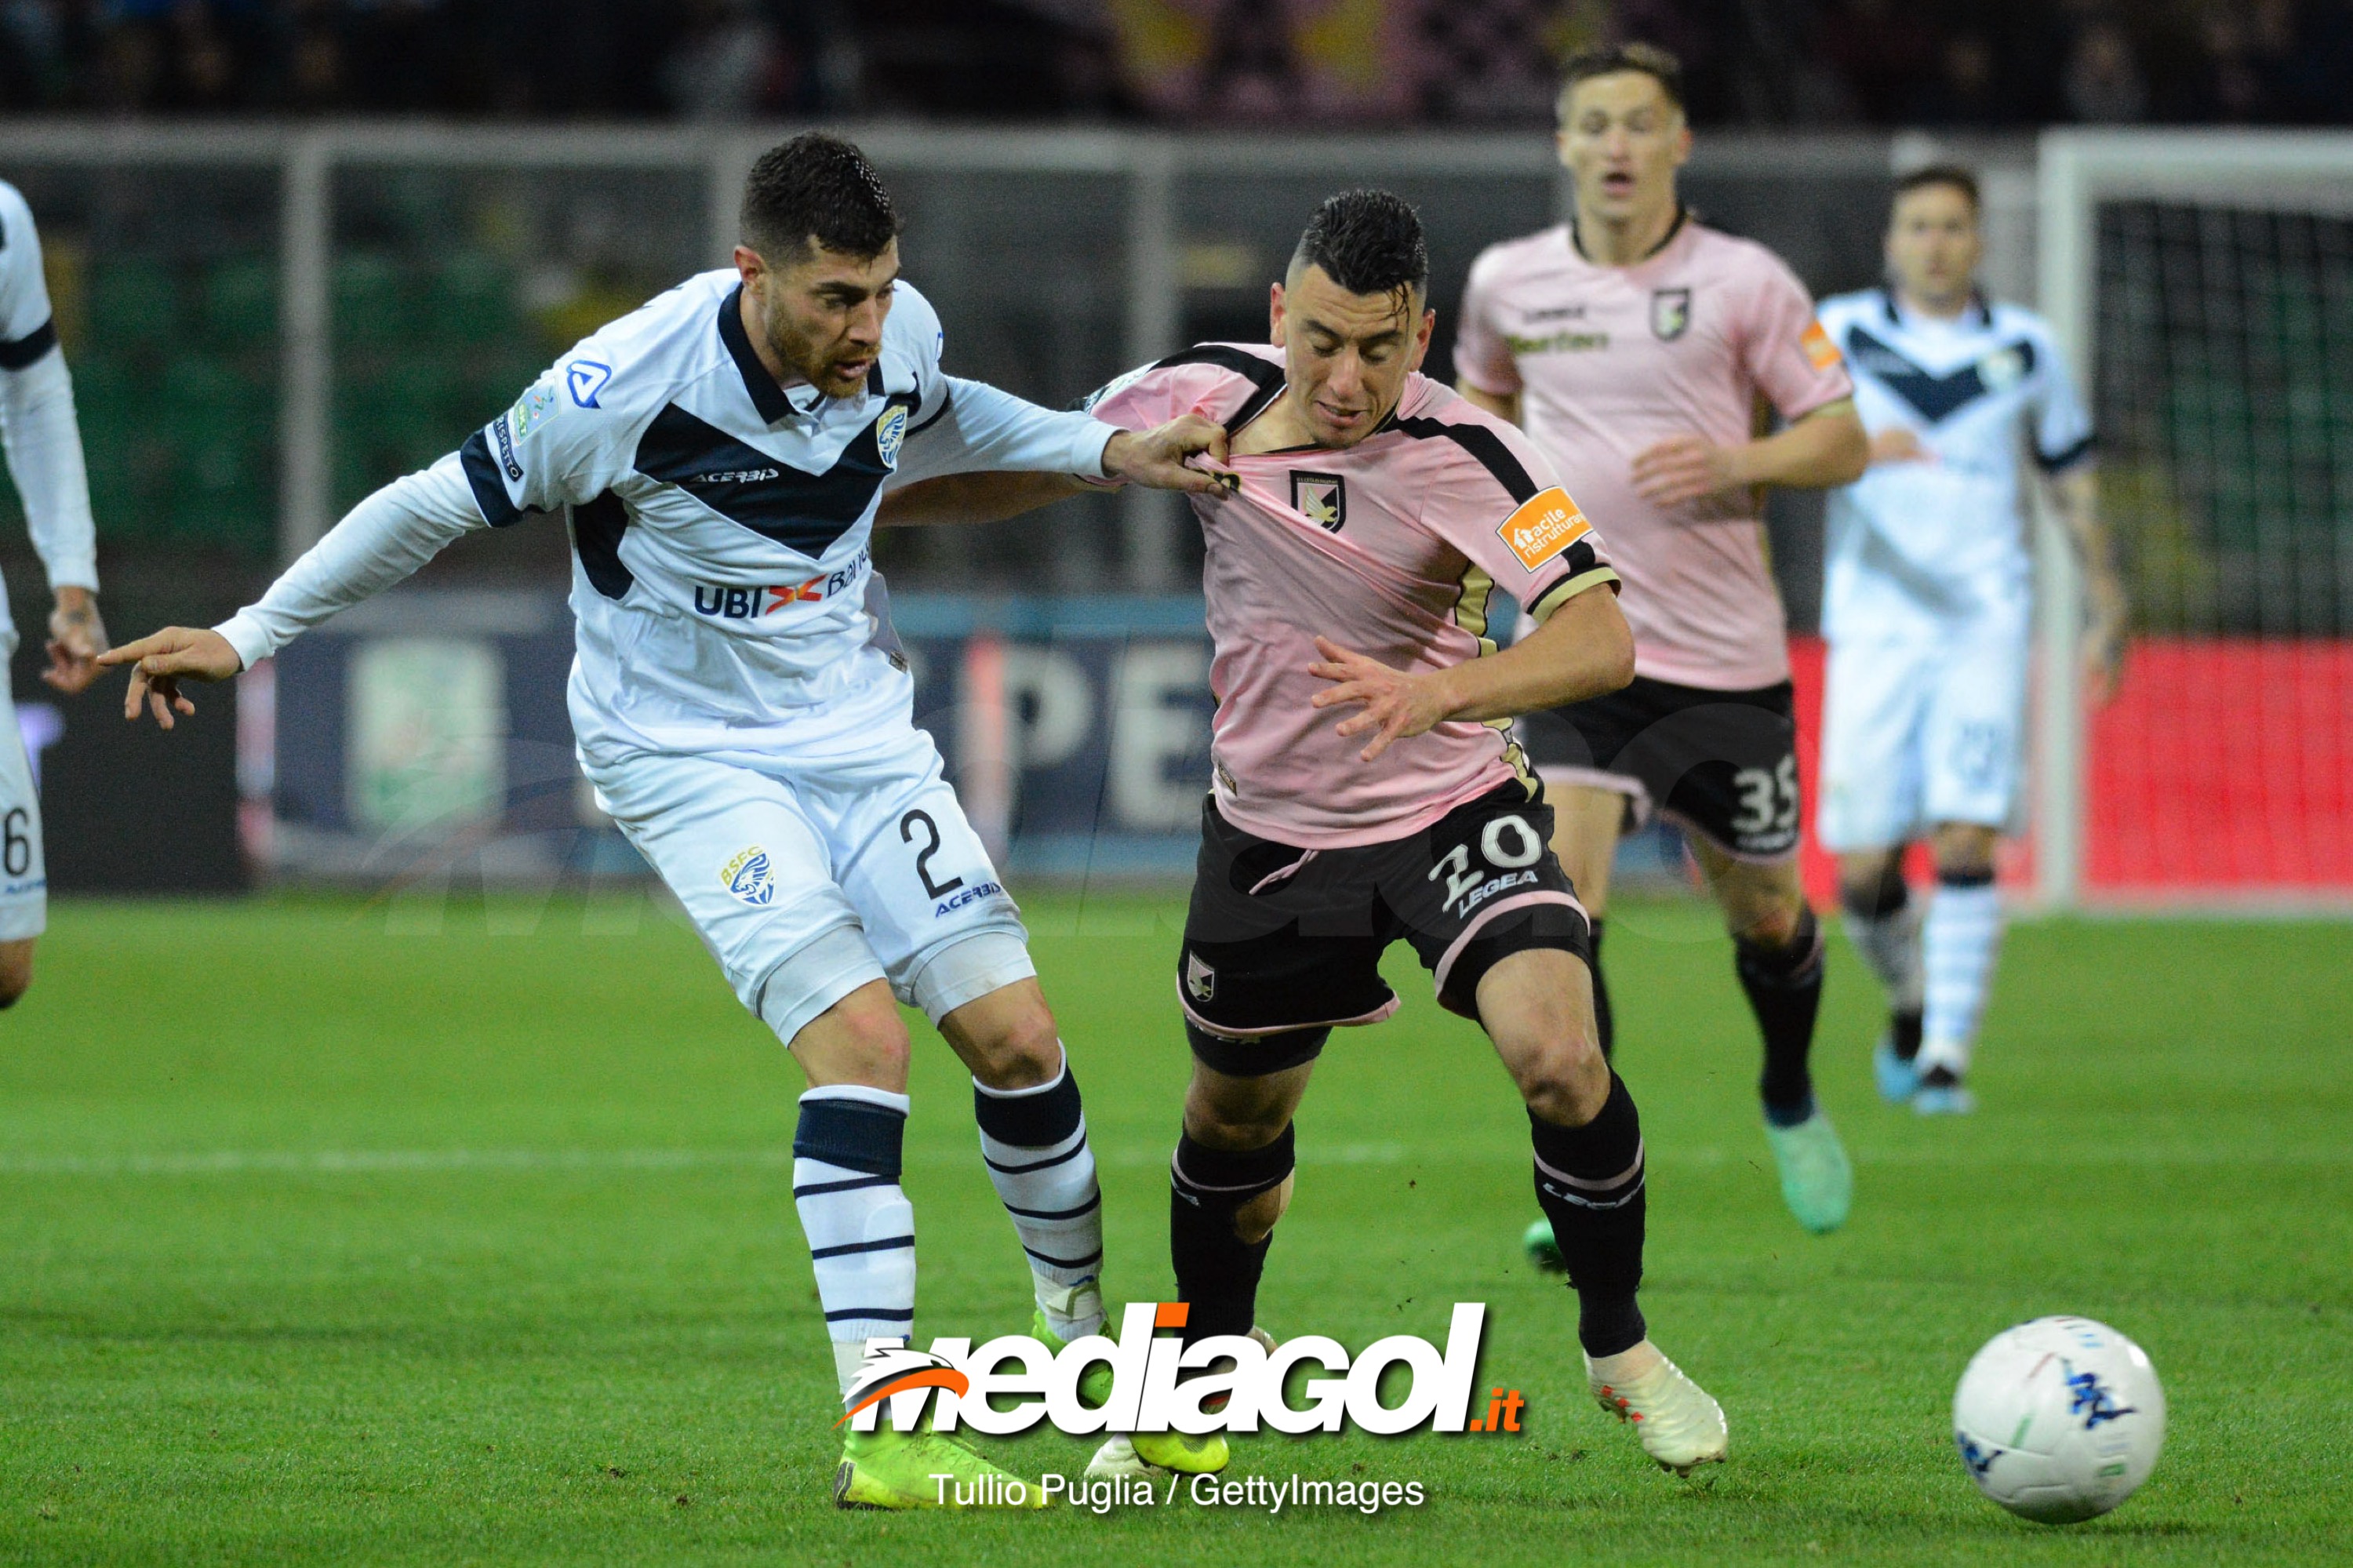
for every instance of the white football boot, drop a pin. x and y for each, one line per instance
(1680, 1425)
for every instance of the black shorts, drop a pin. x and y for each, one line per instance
(1721, 764)
(1279, 939)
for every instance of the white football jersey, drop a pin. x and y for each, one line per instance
(37, 413)
(725, 594)
(720, 524)
(1947, 538)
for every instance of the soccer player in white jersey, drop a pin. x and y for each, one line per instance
(1634, 344)
(44, 448)
(742, 708)
(1925, 608)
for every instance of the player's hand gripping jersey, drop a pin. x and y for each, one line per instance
(1393, 547)
(1917, 544)
(725, 597)
(1609, 361)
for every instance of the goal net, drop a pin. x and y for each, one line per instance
(2203, 285)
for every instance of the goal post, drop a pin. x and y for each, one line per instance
(2200, 284)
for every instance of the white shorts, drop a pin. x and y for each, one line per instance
(24, 871)
(809, 877)
(1920, 730)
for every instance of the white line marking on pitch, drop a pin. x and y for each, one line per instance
(394, 1161)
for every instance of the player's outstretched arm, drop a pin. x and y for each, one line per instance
(974, 498)
(1824, 448)
(379, 542)
(161, 661)
(1161, 458)
(1585, 651)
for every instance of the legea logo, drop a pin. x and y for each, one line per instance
(1223, 1383)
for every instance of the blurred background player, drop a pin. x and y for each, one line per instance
(1926, 608)
(1634, 345)
(44, 448)
(755, 741)
(1376, 515)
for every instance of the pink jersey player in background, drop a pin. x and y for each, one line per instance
(1365, 788)
(1634, 345)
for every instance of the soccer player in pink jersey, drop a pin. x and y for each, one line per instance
(1634, 345)
(1365, 788)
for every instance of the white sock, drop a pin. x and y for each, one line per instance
(848, 1355)
(860, 1227)
(1034, 1142)
(1957, 942)
(1890, 945)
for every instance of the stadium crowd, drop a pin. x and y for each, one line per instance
(1958, 64)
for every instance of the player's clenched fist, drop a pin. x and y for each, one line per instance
(161, 661)
(1156, 458)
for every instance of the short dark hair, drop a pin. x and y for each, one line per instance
(819, 188)
(1369, 242)
(1648, 59)
(1952, 175)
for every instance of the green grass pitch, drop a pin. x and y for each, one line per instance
(345, 1233)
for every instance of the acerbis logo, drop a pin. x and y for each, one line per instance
(954, 902)
(584, 378)
(1230, 1383)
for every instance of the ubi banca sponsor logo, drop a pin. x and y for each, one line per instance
(1226, 1383)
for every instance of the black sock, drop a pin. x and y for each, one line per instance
(1904, 1028)
(1602, 1026)
(1785, 990)
(1216, 1271)
(1590, 1185)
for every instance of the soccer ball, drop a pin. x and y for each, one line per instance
(2060, 1419)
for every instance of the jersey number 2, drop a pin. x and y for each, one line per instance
(931, 847)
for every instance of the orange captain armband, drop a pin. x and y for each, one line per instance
(1545, 524)
(1821, 352)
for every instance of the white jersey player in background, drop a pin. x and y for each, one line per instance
(43, 446)
(1926, 612)
(743, 709)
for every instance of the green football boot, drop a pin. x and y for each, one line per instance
(1816, 1177)
(1145, 1454)
(1537, 1242)
(887, 1469)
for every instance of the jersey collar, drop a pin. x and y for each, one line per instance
(1976, 305)
(772, 400)
(1683, 218)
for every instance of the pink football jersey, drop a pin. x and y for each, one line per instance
(1394, 548)
(1609, 361)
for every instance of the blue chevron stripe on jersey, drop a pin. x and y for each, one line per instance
(1935, 397)
(802, 511)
